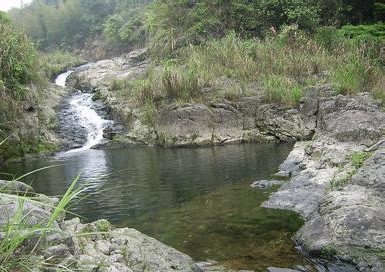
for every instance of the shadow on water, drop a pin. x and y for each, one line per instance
(196, 200)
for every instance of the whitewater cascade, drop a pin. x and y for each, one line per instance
(83, 116)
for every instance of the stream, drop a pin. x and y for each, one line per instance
(197, 200)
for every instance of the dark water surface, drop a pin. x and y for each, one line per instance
(196, 200)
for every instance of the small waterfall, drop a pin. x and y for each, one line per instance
(80, 126)
(62, 78)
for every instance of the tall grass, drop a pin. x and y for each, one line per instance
(53, 63)
(17, 232)
(17, 61)
(283, 65)
(282, 89)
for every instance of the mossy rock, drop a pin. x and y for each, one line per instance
(103, 225)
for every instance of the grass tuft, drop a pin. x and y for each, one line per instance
(17, 233)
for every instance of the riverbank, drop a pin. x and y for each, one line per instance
(70, 245)
(34, 123)
(331, 185)
(218, 121)
(337, 182)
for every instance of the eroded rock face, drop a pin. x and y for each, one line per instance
(352, 119)
(248, 119)
(343, 207)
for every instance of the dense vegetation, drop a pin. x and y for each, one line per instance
(228, 49)
(53, 24)
(201, 50)
(23, 79)
(73, 24)
(17, 69)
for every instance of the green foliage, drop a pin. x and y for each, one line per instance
(127, 26)
(328, 37)
(349, 76)
(283, 64)
(64, 25)
(4, 18)
(282, 89)
(18, 70)
(339, 183)
(379, 11)
(372, 31)
(174, 24)
(53, 63)
(17, 231)
(357, 159)
(150, 112)
(17, 61)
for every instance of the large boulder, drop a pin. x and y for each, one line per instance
(352, 119)
(100, 247)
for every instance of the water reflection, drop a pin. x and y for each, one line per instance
(197, 200)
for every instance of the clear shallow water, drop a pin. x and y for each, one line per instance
(196, 200)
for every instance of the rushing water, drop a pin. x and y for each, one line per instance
(79, 119)
(62, 78)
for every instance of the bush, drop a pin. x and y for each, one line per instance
(372, 31)
(17, 60)
(328, 37)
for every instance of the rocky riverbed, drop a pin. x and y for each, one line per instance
(336, 171)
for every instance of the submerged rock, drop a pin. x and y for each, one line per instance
(264, 184)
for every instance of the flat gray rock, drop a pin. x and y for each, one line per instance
(265, 184)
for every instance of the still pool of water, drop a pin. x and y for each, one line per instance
(196, 200)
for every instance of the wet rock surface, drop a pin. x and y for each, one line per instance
(343, 205)
(264, 184)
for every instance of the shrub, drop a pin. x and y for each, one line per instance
(328, 37)
(372, 31)
(17, 60)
